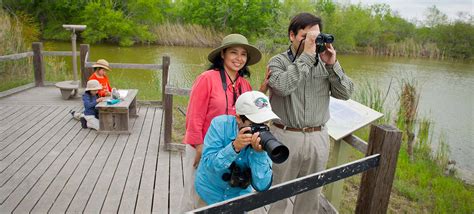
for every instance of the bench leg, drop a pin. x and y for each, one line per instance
(133, 108)
(66, 93)
(113, 123)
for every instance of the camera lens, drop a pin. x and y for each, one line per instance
(277, 152)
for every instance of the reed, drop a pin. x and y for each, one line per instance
(407, 48)
(175, 34)
(13, 39)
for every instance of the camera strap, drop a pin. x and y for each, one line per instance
(293, 58)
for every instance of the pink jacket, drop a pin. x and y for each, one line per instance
(207, 100)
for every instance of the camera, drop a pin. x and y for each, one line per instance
(277, 152)
(237, 177)
(321, 41)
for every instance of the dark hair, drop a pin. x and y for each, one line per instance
(244, 118)
(303, 20)
(218, 64)
(97, 68)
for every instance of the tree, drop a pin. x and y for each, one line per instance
(434, 17)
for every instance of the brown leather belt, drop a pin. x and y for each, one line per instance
(305, 129)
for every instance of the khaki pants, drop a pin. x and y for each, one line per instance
(189, 199)
(309, 153)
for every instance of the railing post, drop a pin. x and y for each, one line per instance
(376, 184)
(38, 64)
(334, 192)
(85, 72)
(167, 102)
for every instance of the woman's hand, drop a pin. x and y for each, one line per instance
(264, 86)
(197, 158)
(256, 142)
(242, 139)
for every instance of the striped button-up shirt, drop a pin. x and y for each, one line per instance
(300, 91)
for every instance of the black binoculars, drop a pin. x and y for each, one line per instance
(321, 41)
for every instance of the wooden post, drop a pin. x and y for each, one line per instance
(38, 64)
(376, 184)
(334, 191)
(167, 102)
(85, 72)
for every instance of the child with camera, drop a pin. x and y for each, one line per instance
(233, 159)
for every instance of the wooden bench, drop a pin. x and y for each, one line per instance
(113, 119)
(68, 88)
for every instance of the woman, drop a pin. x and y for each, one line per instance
(214, 93)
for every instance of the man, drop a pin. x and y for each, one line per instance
(301, 82)
(233, 160)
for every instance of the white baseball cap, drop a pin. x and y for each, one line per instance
(255, 106)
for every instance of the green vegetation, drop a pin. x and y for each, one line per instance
(16, 33)
(373, 29)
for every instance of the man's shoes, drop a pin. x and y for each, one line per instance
(72, 112)
(83, 123)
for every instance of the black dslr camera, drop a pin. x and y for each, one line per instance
(275, 149)
(321, 41)
(237, 177)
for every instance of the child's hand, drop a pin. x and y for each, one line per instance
(100, 99)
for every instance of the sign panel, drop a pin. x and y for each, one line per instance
(348, 116)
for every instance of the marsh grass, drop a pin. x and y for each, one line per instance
(173, 34)
(13, 40)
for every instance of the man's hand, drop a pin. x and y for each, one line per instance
(197, 158)
(310, 43)
(328, 56)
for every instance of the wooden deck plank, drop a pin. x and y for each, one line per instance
(176, 181)
(66, 196)
(7, 110)
(28, 160)
(161, 192)
(87, 151)
(57, 175)
(38, 162)
(147, 184)
(15, 136)
(135, 175)
(10, 114)
(21, 118)
(59, 152)
(90, 183)
(37, 138)
(115, 190)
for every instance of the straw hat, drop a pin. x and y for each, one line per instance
(102, 63)
(253, 53)
(93, 85)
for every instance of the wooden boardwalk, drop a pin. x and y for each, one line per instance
(50, 164)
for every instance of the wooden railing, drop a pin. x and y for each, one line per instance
(86, 67)
(378, 169)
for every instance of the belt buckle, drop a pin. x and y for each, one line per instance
(305, 129)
